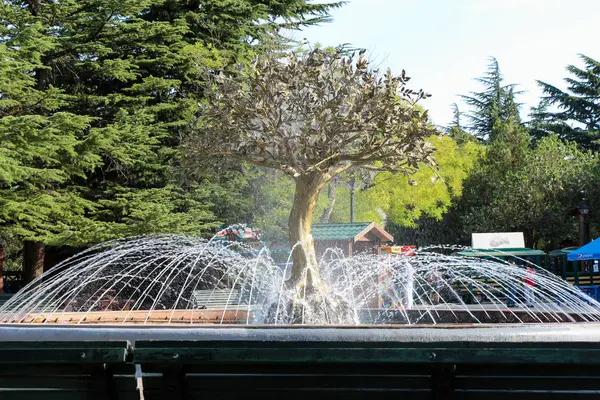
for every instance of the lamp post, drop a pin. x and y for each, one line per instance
(358, 180)
(352, 185)
(584, 222)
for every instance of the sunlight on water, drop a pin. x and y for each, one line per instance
(179, 279)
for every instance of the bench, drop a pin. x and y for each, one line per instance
(218, 299)
(67, 370)
(373, 370)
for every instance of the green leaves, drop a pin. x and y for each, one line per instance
(578, 118)
(404, 200)
(495, 104)
(95, 95)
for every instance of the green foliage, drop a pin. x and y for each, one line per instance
(95, 96)
(272, 195)
(402, 199)
(41, 147)
(496, 103)
(578, 115)
(523, 189)
(456, 129)
(507, 152)
(538, 198)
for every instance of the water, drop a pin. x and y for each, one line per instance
(177, 279)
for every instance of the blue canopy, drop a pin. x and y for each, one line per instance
(590, 251)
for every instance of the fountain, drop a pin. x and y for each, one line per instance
(201, 317)
(179, 280)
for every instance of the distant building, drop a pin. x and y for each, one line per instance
(351, 238)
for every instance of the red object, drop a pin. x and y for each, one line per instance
(529, 280)
(406, 250)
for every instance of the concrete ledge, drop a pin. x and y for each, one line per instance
(571, 332)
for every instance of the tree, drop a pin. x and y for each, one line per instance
(391, 198)
(42, 147)
(504, 155)
(495, 103)
(507, 152)
(539, 197)
(94, 95)
(313, 116)
(456, 130)
(578, 118)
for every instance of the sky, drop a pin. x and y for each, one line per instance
(444, 44)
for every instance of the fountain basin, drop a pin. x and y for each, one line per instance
(501, 333)
(529, 361)
(233, 315)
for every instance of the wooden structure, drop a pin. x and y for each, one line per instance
(351, 238)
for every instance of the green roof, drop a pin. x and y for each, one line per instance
(338, 231)
(564, 251)
(522, 251)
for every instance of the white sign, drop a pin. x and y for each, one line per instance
(497, 240)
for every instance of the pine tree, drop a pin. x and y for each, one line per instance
(506, 153)
(578, 115)
(94, 96)
(456, 130)
(41, 147)
(495, 103)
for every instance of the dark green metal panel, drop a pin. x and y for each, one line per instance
(501, 253)
(36, 394)
(301, 352)
(378, 355)
(341, 370)
(508, 394)
(63, 352)
(67, 370)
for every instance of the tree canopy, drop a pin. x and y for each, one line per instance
(578, 115)
(94, 97)
(495, 103)
(396, 198)
(313, 112)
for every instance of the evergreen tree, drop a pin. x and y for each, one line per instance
(112, 84)
(41, 147)
(94, 95)
(495, 103)
(456, 129)
(507, 152)
(578, 115)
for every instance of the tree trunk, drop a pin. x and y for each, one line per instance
(1, 267)
(301, 217)
(33, 260)
(35, 6)
(331, 195)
